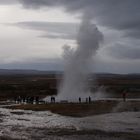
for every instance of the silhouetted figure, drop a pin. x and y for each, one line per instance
(37, 100)
(23, 99)
(79, 99)
(89, 99)
(31, 100)
(124, 96)
(27, 99)
(52, 99)
(19, 99)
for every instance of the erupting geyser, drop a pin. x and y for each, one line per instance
(77, 66)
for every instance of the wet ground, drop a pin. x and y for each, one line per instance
(44, 125)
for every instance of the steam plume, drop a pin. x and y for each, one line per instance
(78, 63)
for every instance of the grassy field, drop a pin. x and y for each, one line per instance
(12, 86)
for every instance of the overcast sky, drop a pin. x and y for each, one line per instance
(33, 33)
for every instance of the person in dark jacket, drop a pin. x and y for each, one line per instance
(79, 99)
(89, 99)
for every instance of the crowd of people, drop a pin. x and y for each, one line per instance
(29, 99)
(36, 100)
(88, 100)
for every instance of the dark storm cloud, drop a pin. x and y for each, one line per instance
(117, 14)
(121, 51)
(51, 29)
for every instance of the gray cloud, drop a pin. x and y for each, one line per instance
(58, 64)
(117, 14)
(120, 15)
(51, 29)
(5, 2)
(121, 51)
(133, 33)
(117, 66)
(37, 64)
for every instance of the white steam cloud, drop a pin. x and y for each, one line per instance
(78, 62)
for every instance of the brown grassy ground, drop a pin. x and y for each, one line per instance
(82, 109)
(12, 86)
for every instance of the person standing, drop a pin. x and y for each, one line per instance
(124, 96)
(89, 99)
(79, 99)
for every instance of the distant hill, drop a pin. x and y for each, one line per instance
(39, 72)
(26, 72)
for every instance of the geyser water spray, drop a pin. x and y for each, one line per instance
(77, 67)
